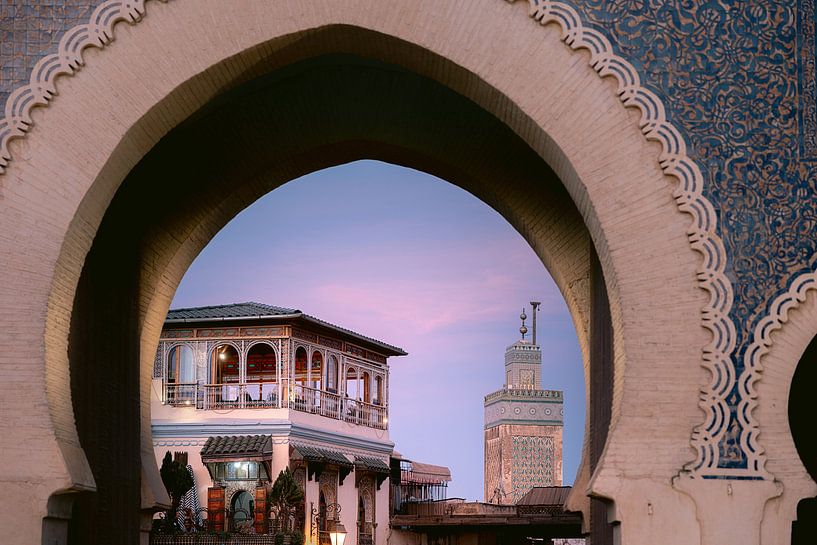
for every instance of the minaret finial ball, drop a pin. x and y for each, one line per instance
(523, 330)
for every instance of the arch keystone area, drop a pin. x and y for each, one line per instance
(674, 161)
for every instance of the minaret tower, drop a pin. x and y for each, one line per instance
(523, 361)
(523, 425)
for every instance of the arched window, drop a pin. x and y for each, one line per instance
(261, 364)
(378, 390)
(365, 511)
(316, 370)
(180, 386)
(332, 374)
(323, 525)
(224, 364)
(180, 366)
(300, 366)
(361, 521)
(262, 375)
(352, 383)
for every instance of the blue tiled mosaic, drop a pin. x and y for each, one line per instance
(738, 78)
(31, 29)
(733, 76)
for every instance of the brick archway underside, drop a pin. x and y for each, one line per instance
(309, 115)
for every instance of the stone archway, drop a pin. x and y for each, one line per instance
(561, 122)
(783, 346)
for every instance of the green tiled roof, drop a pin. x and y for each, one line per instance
(235, 310)
(322, 455)
(237, 445)
(250, 310)
(372, 464)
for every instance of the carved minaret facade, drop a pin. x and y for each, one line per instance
(523, 426)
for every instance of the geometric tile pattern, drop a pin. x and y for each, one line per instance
(532, 463)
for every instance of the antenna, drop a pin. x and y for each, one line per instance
(535, 306)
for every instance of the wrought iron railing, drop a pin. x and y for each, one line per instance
(265, 395)
(221, 396)
(260, 394)
(214, 539)
(181, 394)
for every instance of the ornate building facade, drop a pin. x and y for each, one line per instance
(248, 389)
(523, 426)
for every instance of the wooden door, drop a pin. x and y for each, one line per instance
(260, 515)
(215, 508)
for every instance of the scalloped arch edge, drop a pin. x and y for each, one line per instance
(673, 160)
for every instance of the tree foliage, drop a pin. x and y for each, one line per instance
(177, 481)
(285, 497)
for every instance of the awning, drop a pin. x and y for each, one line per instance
(322, 455)
(237, 447)
(378, 467)
(375, 465)
(545, 495)
(426, 474)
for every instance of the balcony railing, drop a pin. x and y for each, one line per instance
(312, 400)
(268, 395)
(181, 394)
(257, 395)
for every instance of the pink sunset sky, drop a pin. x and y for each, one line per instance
(414, 261)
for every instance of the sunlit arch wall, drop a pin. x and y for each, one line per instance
(783, 342)
(166, 68)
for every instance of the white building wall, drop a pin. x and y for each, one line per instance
(312, 500)
(381, 515)
(347, 498)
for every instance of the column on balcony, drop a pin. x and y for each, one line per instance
(366, 379)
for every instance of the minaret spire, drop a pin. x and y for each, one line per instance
(535, 306)
(526, 416)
